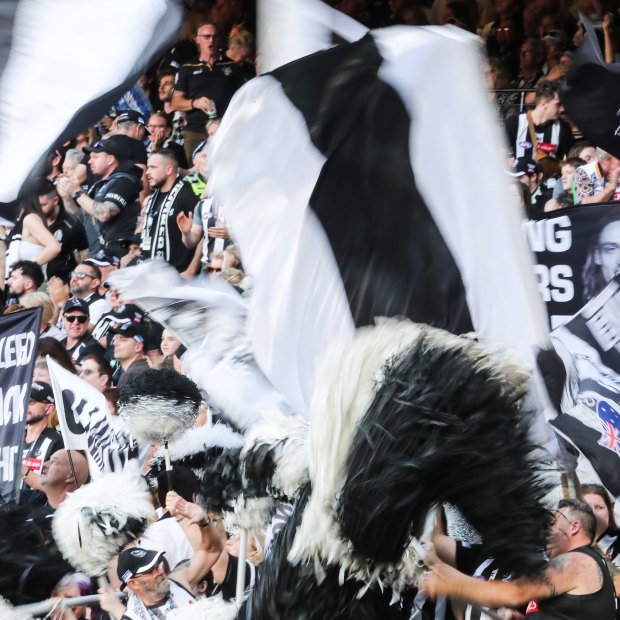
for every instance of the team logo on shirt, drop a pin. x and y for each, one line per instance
(227, 71)
(532, 607)
(525, 145)
(58, 235)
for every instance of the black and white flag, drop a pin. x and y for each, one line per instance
(86, 424)
(357, 186)
(68, 62)
(19, 335)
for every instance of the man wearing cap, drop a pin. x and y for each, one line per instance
(129, 340)
(153, 594)
(66, 230)
(106, 262)
(161, 237)
(41, 440)
(113, 200)
(75, 320)
(84, 284)
(132, 125)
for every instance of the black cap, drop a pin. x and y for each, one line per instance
(42, 392)
(522, 166)
(104, 258)
(127, 313)
(75, 303)
(136, 561)
(132, 116)
(112, 146)
(130, 330)
(134, 239)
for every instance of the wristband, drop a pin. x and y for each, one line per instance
(26, 474)
(77, 194)
(192, 103)
(206, 523)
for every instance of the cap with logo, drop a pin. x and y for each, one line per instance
(130, 330)
(522, 166)
(126, 313)
(136, 561)
(114, 145)
(75, 303)
(41, 392)
(104, 258)
(132, 116)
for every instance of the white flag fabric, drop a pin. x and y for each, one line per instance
(378, 192)
(68, 63)
(86, 424)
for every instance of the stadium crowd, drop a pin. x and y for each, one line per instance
(133, 188)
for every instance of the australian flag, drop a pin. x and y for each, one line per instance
(610, 424)
(601, 447)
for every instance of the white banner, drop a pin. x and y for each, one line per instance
(86, 424)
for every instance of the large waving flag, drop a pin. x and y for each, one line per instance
(69, 61)
(589, 93)
(366, 180)
(86, 424)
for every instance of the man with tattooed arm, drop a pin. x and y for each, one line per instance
(574, 584)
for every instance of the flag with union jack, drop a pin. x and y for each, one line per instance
(610, 425)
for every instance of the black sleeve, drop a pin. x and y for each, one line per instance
(511, 125)
(467, 557)
(180, 82)
(79, 241)
(187, 200)
(121, 192)
(566, 140)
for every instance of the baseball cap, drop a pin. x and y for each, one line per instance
(134, 239)
(127, 313)
(104, 258)
(134, 117)
(130, 330)
(136, 561)
(112, 146)
(41, 392)
(75, 303)
(522, 166)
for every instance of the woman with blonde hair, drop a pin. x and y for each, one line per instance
(49, 316)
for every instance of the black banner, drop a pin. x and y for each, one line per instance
(578, 270)
(19, 335)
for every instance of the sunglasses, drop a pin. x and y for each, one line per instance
(80, 318)
(80, 275)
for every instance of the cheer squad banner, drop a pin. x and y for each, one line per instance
(19, 335)
(577, 266)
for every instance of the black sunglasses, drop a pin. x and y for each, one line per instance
(80, 318)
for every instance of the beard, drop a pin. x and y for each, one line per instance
(34, 418)
(78, 290)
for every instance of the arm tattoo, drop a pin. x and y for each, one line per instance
(106, 210)
(547, 582)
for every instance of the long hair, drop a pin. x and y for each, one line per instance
(592, 274)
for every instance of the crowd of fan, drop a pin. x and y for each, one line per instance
(134, 188)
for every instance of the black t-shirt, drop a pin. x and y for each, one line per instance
(135, 147)
(217, 82)
(72, 237)
(161, 237)
(122, 188)
(228, 586)
(84, 346)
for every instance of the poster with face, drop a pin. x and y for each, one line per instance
(578, 270)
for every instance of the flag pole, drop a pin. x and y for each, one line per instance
(243, 545)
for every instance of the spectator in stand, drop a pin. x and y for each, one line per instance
(133, 126)
(607, 532)
(242, 51)
(161, 237)
(49, 316)
(496, 77)
(84, 284)
(160, 126)
(67, 230)
(172, 350)
(96, 370)
(41, 440)
(75, 320)
(204, 87)
(598, 181)
(25, 277)
(540, 133)
(166, 90)
(584, 150)
(531, 60)
(530, 175)
(505, 38)
(107, 263)
(564, 188)
(30, 238)
(57, 351)
(129, 342)
(113, 200)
